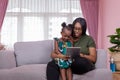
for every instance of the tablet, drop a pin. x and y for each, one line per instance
(73, 51)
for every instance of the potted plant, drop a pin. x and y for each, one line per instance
(115, 48)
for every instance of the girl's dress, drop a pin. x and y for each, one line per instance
(62, 48)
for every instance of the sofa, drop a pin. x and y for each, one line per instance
(28, 61)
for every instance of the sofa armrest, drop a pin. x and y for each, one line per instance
(7, 59)
(101, 58)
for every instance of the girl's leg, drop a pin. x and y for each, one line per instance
(69, 74)
(63, 74)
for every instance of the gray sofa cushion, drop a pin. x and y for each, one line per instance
(7, 59)
(38, 72)
(25, 72)
(35, 52)
(97, 74)
(101, 59)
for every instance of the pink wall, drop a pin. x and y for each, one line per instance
(109, 19)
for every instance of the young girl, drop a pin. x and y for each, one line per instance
(60, 48)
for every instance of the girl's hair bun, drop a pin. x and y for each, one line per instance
(63, 24)
(70, 25)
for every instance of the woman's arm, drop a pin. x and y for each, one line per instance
(71, 40)
(92, 56)
(54, 55)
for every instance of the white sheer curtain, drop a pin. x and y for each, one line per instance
(34, 20)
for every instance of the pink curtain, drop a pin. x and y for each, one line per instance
(90, 13)
(3, 7)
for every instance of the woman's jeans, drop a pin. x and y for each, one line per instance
(80, 65)
(52, 71)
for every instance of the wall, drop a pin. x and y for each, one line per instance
(109, 19)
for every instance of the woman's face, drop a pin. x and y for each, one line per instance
(77, 30)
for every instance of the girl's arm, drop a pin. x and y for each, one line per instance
(56, 53)
(56, 49)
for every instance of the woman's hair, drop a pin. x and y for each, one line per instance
(82, 21)
(68, 27)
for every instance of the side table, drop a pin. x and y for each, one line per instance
(116, 75)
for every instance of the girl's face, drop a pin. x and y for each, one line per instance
(77, 30)
(66, 34)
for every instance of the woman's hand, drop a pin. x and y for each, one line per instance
(59, 55)
(92, 56)
(64, 57)
(81, 55)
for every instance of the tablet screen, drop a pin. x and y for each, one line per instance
(72, 51)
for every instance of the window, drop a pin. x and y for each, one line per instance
(34, 20)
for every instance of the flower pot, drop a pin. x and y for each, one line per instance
(116, 57)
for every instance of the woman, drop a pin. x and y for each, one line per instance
(82, 63)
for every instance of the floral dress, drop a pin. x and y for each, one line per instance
(62, 48)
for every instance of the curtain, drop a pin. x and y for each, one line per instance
(3, 6)
(90, 13)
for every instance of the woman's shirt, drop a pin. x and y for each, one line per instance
(85, 42)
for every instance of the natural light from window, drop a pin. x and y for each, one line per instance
(35, 20)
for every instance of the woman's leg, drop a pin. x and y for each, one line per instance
(69, 74)
(81, 65)
(63, 74)
(52, 71)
